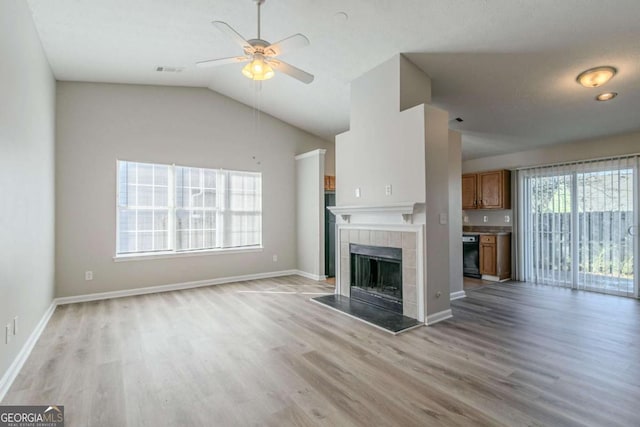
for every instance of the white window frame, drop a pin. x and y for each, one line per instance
(220, 209)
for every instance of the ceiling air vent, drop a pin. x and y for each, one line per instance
(169, 69)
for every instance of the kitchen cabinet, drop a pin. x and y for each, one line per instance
(329, 183)
(495, 256)
(486, 190)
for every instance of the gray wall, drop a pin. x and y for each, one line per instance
(437, 235)
(455, 206)
(100, 123)
(573, 151)
(387, 152)
(310, 212)
(26, 177)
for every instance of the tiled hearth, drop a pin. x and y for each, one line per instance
(405, 240)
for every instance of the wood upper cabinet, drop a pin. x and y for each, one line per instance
(486, 190)
(329, 183)
(495, 256)
(469, 191)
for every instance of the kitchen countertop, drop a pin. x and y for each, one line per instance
(483, 233)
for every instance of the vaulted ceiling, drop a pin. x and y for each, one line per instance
(507, 67)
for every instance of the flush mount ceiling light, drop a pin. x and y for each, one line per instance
(596, 77)
(607, 96)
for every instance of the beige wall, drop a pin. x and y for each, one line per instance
(100, 123)
(26, 178)
(310, 212)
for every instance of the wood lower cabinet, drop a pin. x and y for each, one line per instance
(495, 256)
(486, 190)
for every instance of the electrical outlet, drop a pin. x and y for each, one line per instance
(275, 258)
(443, 219)
(387, 190)
(7, 334)
(465, 219)
(358, 192)
(485, 219)
(507, 218)
(15, 325)
(88, 275)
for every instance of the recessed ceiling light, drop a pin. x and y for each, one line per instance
(340, 17)
(596, 77)
(607, 96)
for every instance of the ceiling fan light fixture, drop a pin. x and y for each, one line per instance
(595, 77)
(258, 69)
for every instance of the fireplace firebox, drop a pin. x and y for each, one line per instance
(376, 276)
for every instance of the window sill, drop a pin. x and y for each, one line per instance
(164, 255)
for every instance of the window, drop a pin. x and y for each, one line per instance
(175, 209)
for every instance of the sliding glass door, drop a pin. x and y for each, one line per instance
(579, 225)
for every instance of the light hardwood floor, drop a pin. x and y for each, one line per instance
(259, 353)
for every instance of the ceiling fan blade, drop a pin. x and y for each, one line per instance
(234, 35)
(222, 61)
(285, 45)
(294, 72)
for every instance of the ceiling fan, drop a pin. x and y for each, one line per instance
(261, 54)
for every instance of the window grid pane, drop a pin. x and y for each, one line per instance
(143, 211)
(202, 208)
(196, 208)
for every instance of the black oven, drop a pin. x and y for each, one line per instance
(471, 255)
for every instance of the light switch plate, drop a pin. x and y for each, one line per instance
(485, 219)
(507, 218)
(465, 218)
(358, 192)
(443, 218)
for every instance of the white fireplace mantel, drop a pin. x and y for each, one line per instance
(406, 209)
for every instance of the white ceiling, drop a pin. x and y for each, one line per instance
(507, 67)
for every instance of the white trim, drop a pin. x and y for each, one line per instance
(490, 278)
(457, 295)
(313, 153)
(316, 277)
(439, 317)
(173, 254)
(25, 351)
(405, 209)
(170, 287)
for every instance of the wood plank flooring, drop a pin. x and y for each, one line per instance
(260, 353)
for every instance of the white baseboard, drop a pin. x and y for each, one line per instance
(457, 295)
(311, 276)
(438, 317)
(23, 355)
(171, 287)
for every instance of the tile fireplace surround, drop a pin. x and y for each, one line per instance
(408, 238)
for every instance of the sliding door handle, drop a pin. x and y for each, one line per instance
(630, 230)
